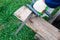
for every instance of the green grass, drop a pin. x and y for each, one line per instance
(9, 23)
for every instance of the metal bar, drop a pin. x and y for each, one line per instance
(54, 17)
(21, 26)
(50, 16)
(32, 9)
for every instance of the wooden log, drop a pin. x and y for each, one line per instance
(39, 25)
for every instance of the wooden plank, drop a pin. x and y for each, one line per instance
(43, 28)
(22, 13)
(39, 25)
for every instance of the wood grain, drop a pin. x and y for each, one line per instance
(39, 25)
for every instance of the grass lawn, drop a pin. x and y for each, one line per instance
(9, 23)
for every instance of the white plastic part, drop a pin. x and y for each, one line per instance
(39, 5)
